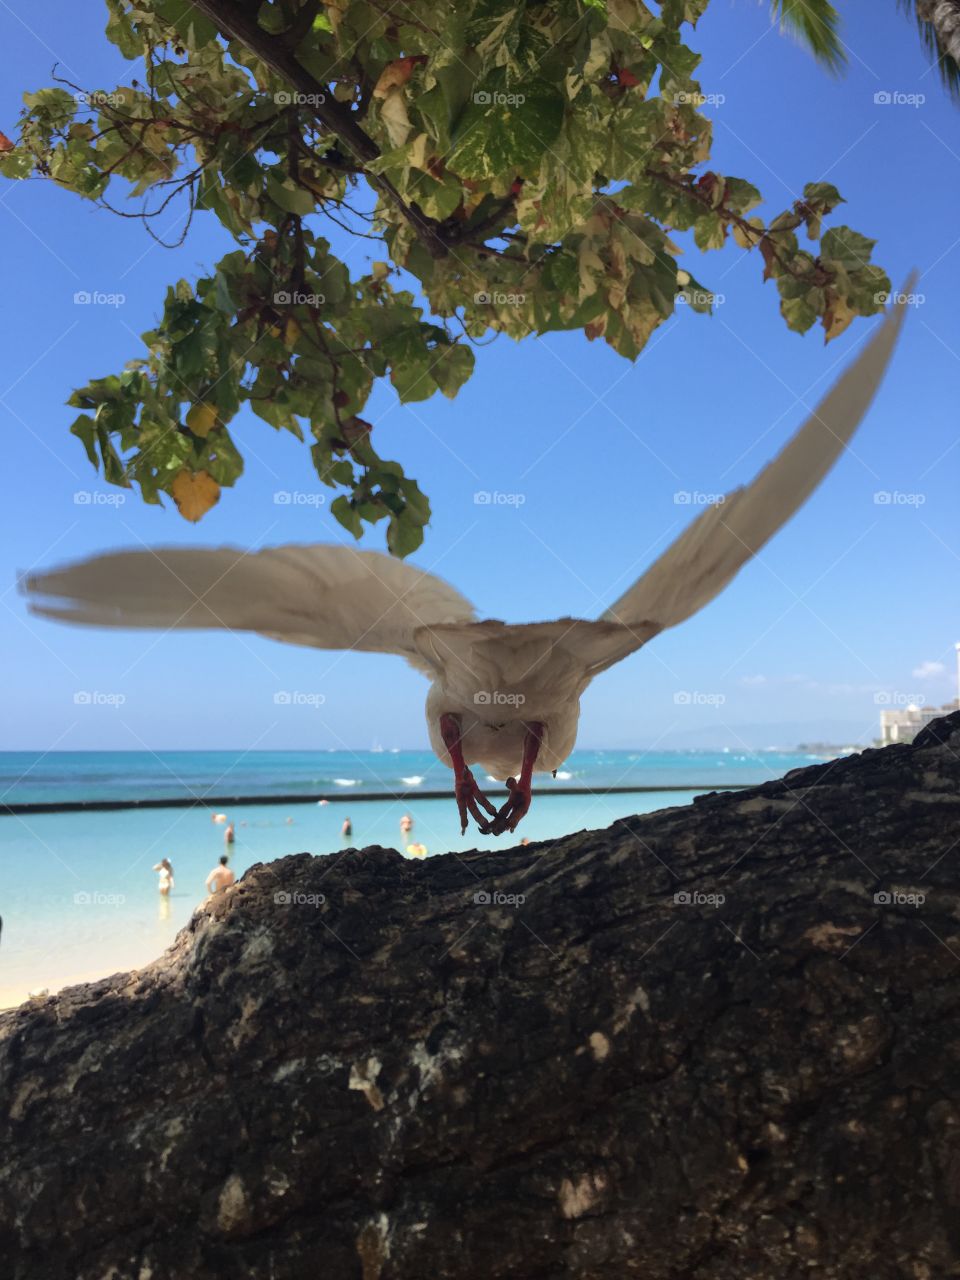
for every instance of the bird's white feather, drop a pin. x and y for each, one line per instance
(496, 678)
(328, 597)
(710, 551)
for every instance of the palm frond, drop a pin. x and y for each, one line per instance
(931, 17)
(815, 23)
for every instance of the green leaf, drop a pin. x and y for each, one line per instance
(709, 231)
(823, 193)
(798, 313)
(290, 198)
(411, 363)
(741, 196)
(417, 506)
(506, 129)
(16, 164)
(84, 428)
(272, 18)
(347, 515)
(848, 247)
(403, 536)
(193, 27)
(451, 368)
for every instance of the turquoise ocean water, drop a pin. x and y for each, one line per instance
(78, 895)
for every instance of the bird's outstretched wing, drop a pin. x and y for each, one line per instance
(709, 552)
(328, 597)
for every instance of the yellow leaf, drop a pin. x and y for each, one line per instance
(201, 419)
(419, 152)
(592, 270)
(836, 318)
(194, 492)
(745, 238)
(291, 333)
(393, 113)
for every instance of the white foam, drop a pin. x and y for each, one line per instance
(412, 782)
(347, 782)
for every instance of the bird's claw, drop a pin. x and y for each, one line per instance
(513, 809)
(468, 794)
(469, 798)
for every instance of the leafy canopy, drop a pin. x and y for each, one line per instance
(524, 166)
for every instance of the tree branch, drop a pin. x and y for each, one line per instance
(759, 237)
(708, 1042)
(235, 24)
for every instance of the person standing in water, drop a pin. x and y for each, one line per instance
(406, 826)
(221, 877)
(347, 829)
(165, 878)
(229, 837)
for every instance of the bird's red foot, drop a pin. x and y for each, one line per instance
(516, 805)
(520, 789)
(469, 796)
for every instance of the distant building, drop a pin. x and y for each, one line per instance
(904, 723)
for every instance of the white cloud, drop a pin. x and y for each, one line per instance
(753, 680)
(927, 670)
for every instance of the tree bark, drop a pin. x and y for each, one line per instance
(367, 1068)
(944, 18)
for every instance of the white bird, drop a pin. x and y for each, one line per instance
(502, 696)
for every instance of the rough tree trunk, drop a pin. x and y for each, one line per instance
(356, 1067)
(944, 18)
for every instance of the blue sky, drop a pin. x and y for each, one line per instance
(853, 599)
